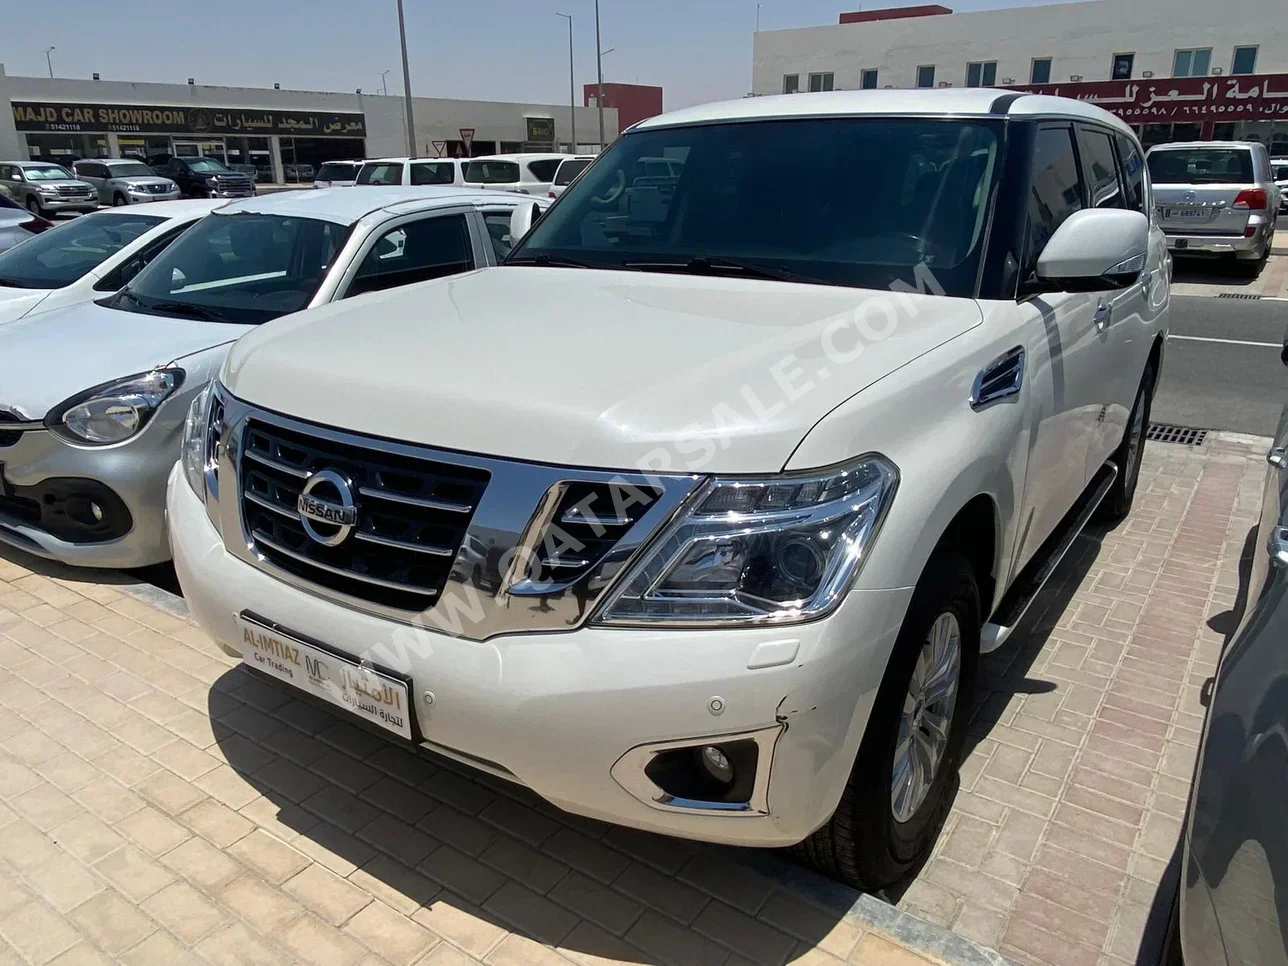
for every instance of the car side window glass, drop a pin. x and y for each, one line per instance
(430, 172)
(413, 252)
(544, 170)
(1133, 167)
(498, 230)
(1055, 190)
(123, 274)
(1101, 169)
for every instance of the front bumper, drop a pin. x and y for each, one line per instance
(562, 712)
(134, 472)
(68, 204)
(142, 197)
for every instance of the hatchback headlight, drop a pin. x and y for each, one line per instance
(777, 550)
(114, 411)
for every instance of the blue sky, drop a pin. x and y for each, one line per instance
(699, 50)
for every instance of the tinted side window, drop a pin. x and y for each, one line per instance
(498, 229)
(124, 273)
(1133, 166)
(1101, 169)
(1055, 191)
(544, 170)
(414, 252)
(431, 173)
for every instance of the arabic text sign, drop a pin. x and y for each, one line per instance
(131, 119)
(1249, 97)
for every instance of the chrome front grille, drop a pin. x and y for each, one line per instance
(413, 515)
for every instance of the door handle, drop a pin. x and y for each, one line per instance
(1104, 315)
(1278, 457)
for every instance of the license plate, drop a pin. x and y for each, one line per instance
(342, 681)
(1185, 213)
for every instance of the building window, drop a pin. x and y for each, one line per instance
(1192, 63)
(791, 83)
(1122, 66)
(981, 74)
(1041, 72)
(1245, 60)
(820, 82)
(926, 76)
(869, 80)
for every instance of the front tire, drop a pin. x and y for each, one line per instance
(1118, 501)
(35, 207)
(118, 200)
(905, 773)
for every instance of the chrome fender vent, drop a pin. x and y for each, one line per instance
(1000, 379)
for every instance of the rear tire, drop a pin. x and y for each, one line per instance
(1117, 502)
(881, 831)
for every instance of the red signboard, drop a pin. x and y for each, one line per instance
(1249, 97)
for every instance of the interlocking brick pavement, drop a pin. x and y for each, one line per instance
(158, 804)
(1061, 848)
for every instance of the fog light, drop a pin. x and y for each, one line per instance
(717, 764)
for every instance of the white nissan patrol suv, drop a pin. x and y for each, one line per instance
(697, 513)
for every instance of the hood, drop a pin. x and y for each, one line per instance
(62, 183)
(591, 368)
(17, 302)
(141, 180)
(108, 344)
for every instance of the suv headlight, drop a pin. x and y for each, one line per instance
(114, 411)
(778, 550)
(193, 451)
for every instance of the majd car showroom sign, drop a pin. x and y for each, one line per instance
(132, 119)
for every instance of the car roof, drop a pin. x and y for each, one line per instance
(405, 160)
(37, 164)
(346, 206)
(1221, 145)
(972, 102)
(183, 208)
(524, 157)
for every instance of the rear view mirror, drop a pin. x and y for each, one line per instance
(522, 219)
(1095, 249)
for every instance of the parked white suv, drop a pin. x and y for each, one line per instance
(697, 513)
(527, 174)
(412, 171)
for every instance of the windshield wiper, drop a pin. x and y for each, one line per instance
(190, 310)
(703, 265)
(125, 293)
(550, 261)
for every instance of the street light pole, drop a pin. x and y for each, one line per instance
(572, 84)
(599, 66)
(384, 82)
(49, 61)
(411, 117)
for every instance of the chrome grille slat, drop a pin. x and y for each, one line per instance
(403, 545)
(270, 505)
(264, 541)
(415, 501)
(273, 464)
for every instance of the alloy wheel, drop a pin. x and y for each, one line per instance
(927, 717)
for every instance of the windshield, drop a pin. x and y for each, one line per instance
(337, 171)
(882, 197)
(492, 172)
(381, 172)
(60, 256)
(1201, 166)
(206, 165)
(569, 170)
(49, 172)
(133, 169)
(243, 268)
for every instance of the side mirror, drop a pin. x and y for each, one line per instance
(522, 219)
(1094, 250)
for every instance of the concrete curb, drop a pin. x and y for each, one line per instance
(870, 913)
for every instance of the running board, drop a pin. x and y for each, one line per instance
(1033, 578)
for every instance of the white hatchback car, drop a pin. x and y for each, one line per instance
(529, 174)
(443, 172)
(92, 256)
(93, 397)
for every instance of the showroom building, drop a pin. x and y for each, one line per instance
(283, 135)
(1175, 69)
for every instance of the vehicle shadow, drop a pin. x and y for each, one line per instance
(84, 579)
(1211, 271)
(471, 857)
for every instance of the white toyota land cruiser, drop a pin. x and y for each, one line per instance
(696, 515)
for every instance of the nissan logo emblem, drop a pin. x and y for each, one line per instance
(327, 500)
